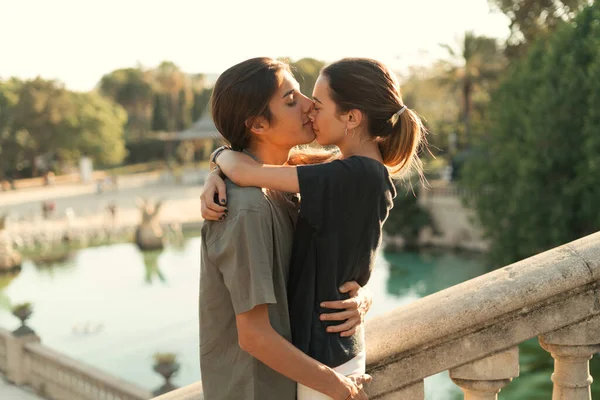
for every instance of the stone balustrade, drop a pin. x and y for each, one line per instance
(473, 329)
(25, 361)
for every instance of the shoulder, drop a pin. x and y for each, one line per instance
(245, 199)
(247, 207)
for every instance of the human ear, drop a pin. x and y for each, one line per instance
(355, 118)
(257, 125)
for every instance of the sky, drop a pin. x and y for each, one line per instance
(78, 41)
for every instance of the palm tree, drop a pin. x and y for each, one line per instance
(477, 62)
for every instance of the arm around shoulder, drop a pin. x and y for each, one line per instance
(245, 171)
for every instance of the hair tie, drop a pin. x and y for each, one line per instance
(400, 111)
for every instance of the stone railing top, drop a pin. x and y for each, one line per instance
(91, 373)
(190, 392)
(475, 303)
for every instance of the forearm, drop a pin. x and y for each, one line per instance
(307, 157)
(244, 171)
(274, 177)
(280, 355)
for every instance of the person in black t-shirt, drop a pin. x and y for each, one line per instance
(344, 203)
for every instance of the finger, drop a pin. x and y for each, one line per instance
(215, 207)
(361, 379)
(348, 304)
(350, 332)
(210, 198)
(210, 215)
(339, 316)
(342, 327)
(351, 286)
(222, 191)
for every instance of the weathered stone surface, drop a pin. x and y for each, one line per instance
(474, 303)
(463, 347)
(481, 390)
(580, 334)
(503, 365)
(416, 391)
(571, 377)
(190, 392)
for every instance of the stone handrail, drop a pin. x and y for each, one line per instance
(486, 316)
(56, 376)
(473, 329)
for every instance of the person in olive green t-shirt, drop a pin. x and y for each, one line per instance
(245, 347)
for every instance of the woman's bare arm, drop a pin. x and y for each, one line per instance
(243, 170)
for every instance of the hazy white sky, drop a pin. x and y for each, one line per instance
(77, 41)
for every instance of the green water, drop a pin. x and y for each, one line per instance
(113, 307)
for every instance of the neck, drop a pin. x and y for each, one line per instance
(268, 153)
(357, 145)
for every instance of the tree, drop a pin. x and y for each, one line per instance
(407, 218)
(201, 96)
(132, 89)
(42, 119)
(533, 19)
(476, 64)
(97, 130)
(306, 71)
(38, 119)
(422, 92)
(534, 180)
(173, 94)
(8, 150)
(200, 103)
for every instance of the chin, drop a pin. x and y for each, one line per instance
(322, 141)
(309, 138)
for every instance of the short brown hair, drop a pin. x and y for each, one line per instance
(242, 93)
(369, 86)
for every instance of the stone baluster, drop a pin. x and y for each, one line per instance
(572, 348)
(484, 378)
(416, 391)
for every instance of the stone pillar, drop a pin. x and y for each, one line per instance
(572, 348)
(16, 368)
(416, 391)
(484, 378)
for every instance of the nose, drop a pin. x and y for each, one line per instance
(307, 105)
(312, 113)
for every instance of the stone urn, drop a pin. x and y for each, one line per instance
(10, 259)
(167, 366)
(23, 312)
(149, 234)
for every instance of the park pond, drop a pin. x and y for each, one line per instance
(113, 307)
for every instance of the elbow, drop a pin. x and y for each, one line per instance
(251, 342)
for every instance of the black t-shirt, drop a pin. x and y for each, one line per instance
(344, 204)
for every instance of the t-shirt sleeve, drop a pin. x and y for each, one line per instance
(244, 256)
(327, 187)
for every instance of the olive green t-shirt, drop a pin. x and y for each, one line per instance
(244, 263)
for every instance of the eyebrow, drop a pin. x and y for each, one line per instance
(317, 100)
(288, 93)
